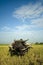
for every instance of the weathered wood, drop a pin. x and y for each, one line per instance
(19, 47)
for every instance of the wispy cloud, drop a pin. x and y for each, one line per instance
(33, 12)
(33, 36)
(8, 29)
(38, 22)
(30, 25)
(22, 27)
(29, 11)
(25, 27)
(5, 28)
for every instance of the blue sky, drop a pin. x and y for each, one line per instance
(21, 19)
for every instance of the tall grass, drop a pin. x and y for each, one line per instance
(34, 56)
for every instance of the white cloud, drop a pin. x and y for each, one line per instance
(28, 11)
(34, 12)
(38, 22)
(5, 28)
(25, 27)
(20, 32)
(22, 27)
(33, 36)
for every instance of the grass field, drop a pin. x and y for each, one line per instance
(33, 57)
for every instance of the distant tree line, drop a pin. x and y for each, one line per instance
(37, 43)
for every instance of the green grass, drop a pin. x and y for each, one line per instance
(33, 57)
